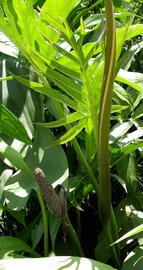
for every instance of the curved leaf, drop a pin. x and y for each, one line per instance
(133, 79)
(70, 134)
(13, 156)
(73, 117)
(52, 161)
(55, 263)
(10, 244)
(11, 126)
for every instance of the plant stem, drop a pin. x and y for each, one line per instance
(115, 257)
(78, 224)
(112, 226)
(45, 223)
(114, 229)
(74, 238)
(104, 115)
(106, 212)
(85, 164)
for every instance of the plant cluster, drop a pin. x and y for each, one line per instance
(71, 130)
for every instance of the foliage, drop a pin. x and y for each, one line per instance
(56, 263)
(63, 85)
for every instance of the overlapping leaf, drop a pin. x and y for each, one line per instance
(11, 126)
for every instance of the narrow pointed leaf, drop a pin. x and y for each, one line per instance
(71, 134)
(63, 121)
(52, 93)
(65, 70)
(131, 233)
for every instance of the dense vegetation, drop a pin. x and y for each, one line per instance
(72, 105)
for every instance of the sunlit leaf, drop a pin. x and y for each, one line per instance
(63, 121)
(55, 94)
(131, 233)
(71, 134)
(118, 108)
(13, 156)
(55, 263)
(133, 79)
(11, 126)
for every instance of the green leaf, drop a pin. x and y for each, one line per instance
(54, 225)
(3, 179)
(138, 112)
(18, 98)
(122, 93)
(118, 108)
(134, 259)
(19, 185)
(10, 244)
(67, 85)
(120, 180)
(119, 130)
(132, 146)
(55, 94)
(131, 233)
(8, 78)
(13, 156)
(60, 8)
(73, 117)
(120, 152)
(7, 47)
(11, 126)
(131, 137)
(69, 55)
(126, 33)
(131, 175)
(71, 134)
(37, 233)
(133, 79)
(90, 140)
(65, 70)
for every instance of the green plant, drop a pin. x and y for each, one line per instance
(72, 81)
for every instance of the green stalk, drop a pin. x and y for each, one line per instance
(74, 238)
(106, 212)
(114, 252)
(112, 226)
(45, 223)
(104, 115)
(78, 224)
(85, 164)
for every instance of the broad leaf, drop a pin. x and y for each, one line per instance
(12, 245)
(13, 156)
(133, 79)
(59, 262)
(11, 126)
(19, 185)
(56, 9)
(134, 259)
